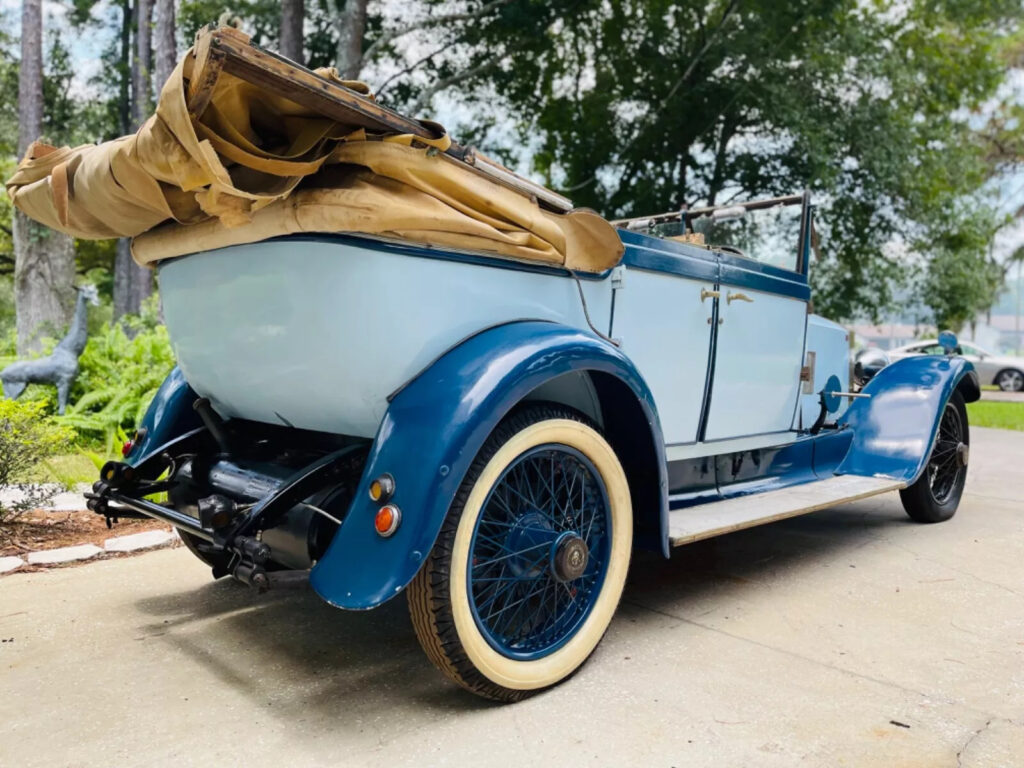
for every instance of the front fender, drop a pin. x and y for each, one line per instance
(894, 430)
(433, 429)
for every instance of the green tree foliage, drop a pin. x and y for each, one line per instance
(638, 106)
(27, 437)
(8, 90)
(960, 278)
(259, 18)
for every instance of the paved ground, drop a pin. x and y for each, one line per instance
(1002, 397)
(798, 643)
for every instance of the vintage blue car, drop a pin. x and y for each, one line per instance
(495, 438)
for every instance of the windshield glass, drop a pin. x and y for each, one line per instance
(768, 235)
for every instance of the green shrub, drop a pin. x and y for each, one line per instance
(27, 437)
(119, 374)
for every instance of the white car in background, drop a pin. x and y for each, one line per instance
(1007, 373)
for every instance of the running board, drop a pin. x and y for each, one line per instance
(717, 517)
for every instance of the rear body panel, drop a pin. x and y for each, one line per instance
(317, 332)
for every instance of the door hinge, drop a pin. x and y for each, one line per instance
(807, 375)
(618, 277)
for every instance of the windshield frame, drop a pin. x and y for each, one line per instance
(686, 215)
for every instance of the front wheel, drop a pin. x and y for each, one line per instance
(531, 561)
(936, 494)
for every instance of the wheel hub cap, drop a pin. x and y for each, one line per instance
(963, 453)
(571, 556)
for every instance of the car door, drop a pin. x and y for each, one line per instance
(918, 349)
(762, 319)
(982, 363)
(662, 315)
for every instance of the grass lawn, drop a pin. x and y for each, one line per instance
(69, 469)
(986, 413)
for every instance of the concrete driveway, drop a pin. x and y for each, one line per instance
(850, 637)
(1002, 397)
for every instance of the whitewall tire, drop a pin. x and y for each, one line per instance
(530, 564)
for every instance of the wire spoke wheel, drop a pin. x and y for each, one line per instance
(935, 495)
(530, 563)
(539, 552)
(945, 466)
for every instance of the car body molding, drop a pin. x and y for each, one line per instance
(667, 256)
(893, 431)
(432, 431)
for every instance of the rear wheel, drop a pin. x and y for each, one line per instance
(936, 494)
(530, 563)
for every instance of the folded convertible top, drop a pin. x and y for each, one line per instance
(246, 145)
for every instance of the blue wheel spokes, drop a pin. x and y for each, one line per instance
(524, 603)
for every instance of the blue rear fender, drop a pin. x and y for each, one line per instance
(436, 424)
(170, 415)
(894, 430)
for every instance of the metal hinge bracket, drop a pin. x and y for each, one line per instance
(618, 277)
(807, 375)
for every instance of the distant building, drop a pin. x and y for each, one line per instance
(890, 335)
(1011, 332)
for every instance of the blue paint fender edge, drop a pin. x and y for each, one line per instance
(893, 431)
(432, 431)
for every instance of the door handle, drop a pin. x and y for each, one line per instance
(706, 294)
(731, 297)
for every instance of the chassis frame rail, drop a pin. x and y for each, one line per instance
(220, 523)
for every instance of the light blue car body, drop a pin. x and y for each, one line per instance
(422, 352)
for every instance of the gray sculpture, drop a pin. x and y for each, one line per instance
(61, 366)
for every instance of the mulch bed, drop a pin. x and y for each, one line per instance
(43, 529)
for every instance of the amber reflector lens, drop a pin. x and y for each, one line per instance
(387, 520)
(382, 488)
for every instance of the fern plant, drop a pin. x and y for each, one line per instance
(117, 379)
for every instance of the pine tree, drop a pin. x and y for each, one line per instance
(44, 270)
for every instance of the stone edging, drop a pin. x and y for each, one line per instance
(135, 542)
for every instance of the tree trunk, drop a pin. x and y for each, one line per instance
(44, 278)
(132, 283)
(292, 15)
(165, 43)
(350, 24)
(142, 64)
(44, 260)
(30, 75)
(124, 92)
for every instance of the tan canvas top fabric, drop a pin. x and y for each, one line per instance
(255, 165)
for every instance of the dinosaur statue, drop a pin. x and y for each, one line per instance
(61, 366)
